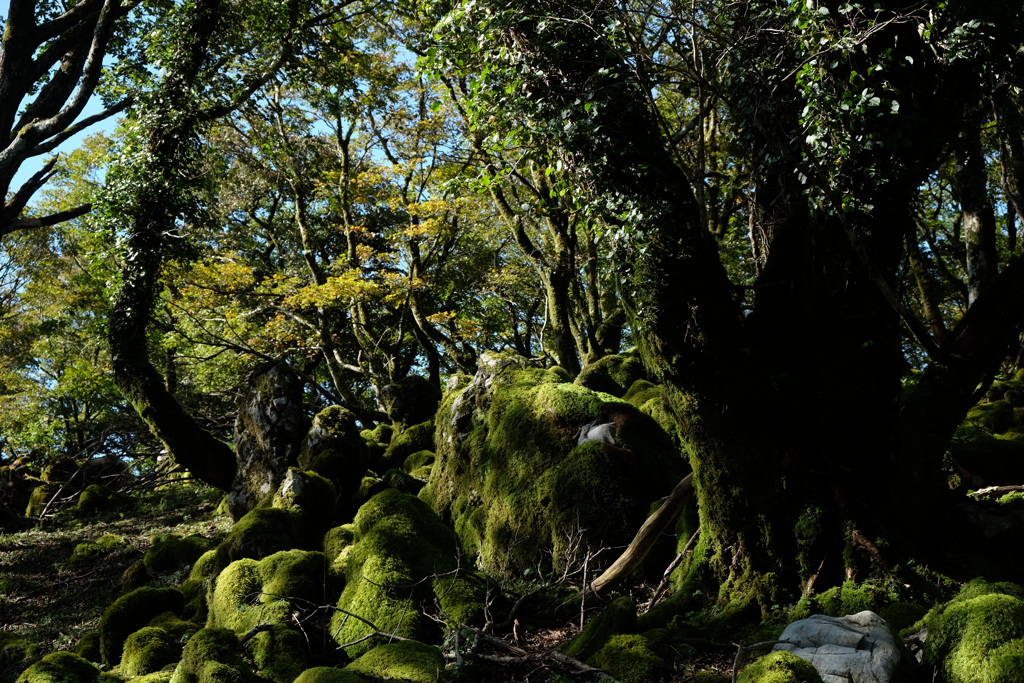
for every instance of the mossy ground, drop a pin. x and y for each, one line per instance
(50, 603)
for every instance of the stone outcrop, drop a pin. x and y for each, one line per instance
(858, 648)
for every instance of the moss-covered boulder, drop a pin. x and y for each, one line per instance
(612, 374)
(96, 498)
(60, 667)
(402, 560)
(296, 516)
(88, 552)
(16, 651)
(405, 660)
(129, 613)
(279, 653)
(170, 552)
(147, 650)
(520, 488)
(269, 429)
(334, 449)
(411, 400)
(978, 635)
(213, 655)
(328, 674)
(779, 667)
(618, 617)
(419, 437)
(630, 659)
(250, 593)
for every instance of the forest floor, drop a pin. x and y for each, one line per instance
(51, 597)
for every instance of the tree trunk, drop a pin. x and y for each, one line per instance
(151, 212)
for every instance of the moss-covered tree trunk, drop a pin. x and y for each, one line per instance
(152, 196)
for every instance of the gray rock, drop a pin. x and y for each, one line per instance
(858, 648)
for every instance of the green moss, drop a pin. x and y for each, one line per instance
(515, 485)
(178, 628)
(310, 496)
(618, 617)
(418, 460)
(406, 660)
(779, 667)
(264, 531)
(995, 417)
(172, 552)
(978, 635)
(406, 483)
(39, 497)
(88, 646)
(280, 654)
(89, 552)
(197, 585)
(129, 613)
(96, 498)
(413, 440)
(381, 434)
(853, 597)
(155, 677)
(901, 615)
(212, 654)
(328, 674)
(60, 667)
(629, 659)
(398, 542)
(16, 651)
(135, 576)
(335, 449)
(249, 593)
(147, 650)
(613, 375)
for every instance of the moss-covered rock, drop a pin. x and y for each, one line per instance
(135, 576)
(89, 552)
(417, 438)
(419, 460)
(87, 647)
(60, 667)
(334, 449)
(853, 597)
(618, 617)
(629, 659)
(250, 593)
(98, 498)
(297, 516)
(406, 483)
(397, 544)
(328, 674)
(147, 650)
(129, 613)
(279, 653)
(16, 651)
(779, 667)
(978, 635)
(411, 400)
(520, 489)
(612, 374)
(213, 655)
(172, 552)
(405, 660)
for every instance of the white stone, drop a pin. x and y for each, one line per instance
(858, 648)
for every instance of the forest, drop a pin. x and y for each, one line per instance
(458, 340)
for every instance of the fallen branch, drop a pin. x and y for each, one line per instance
(644, 540)
(995, 491)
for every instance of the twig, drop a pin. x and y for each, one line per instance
(663, 584)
